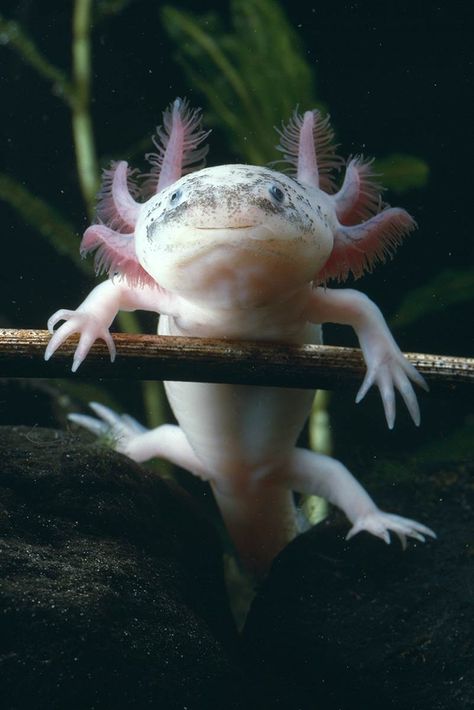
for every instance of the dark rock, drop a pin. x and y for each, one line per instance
(364, 626)
(112, 595)
(111, 592)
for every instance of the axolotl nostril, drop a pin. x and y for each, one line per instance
(241, 251)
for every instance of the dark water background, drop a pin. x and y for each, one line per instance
(396, 77)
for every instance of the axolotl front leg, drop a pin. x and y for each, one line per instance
(387, 367)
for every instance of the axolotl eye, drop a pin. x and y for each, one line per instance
(175, 197)
(277, 194)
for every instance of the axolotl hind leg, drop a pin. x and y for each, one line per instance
(129, 437)
(259, 514)
(317, 474)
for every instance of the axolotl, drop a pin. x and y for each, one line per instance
(245, 252)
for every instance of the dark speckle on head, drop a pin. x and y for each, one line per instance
(222, 195)
(154, 207)
(173, 214)
(150, 232)
(267, 206)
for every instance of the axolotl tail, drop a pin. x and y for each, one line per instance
(260, 520)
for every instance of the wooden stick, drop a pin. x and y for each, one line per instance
(154, 357)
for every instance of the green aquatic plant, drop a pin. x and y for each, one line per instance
(75, 92)
(43, 217)
(399, 172)
(445, 289)
(254, 75)
(221, 63)
(242, 99)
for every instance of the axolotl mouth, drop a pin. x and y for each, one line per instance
(255, 231)
(236, 243)
(240, 226)
(233, 229)
(191, 241)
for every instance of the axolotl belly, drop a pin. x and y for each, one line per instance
(256, 427)
(244, 252)
(239, 250)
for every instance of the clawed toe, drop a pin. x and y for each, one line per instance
(118, 429)
(93, 425)
(381, 524)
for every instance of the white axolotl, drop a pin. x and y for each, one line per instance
(239, 251)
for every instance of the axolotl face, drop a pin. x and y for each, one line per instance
(235, 234)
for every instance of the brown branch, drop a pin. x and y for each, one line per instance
(154, 357)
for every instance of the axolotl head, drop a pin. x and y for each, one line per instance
(234, 234)
(241, 234)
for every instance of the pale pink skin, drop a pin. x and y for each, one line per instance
(238, 251)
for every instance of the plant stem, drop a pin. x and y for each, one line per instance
(81, 120)
(154, 403)
(314, 507)
(57, 231)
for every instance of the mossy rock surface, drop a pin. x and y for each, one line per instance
(112, 593)
(361, 625)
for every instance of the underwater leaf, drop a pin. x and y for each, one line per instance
(75, 93)
(401, 172)
(107, 8)
(445, 289)
(454, 445)
(207, 43)
(246, 102)
(217, 78)
(11, 34)
(275, 44)
(55, 229)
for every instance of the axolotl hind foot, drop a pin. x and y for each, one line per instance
(127, 436)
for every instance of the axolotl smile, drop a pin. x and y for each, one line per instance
(236, 233)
